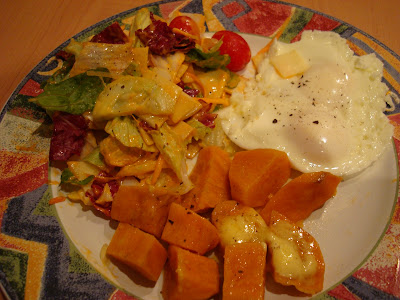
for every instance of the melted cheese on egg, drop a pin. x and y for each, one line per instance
(330, 118)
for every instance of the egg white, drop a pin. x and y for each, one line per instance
(330, 118)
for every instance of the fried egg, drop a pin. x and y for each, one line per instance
(328, 118)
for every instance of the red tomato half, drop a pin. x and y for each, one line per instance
(236, 47)
(186, 24)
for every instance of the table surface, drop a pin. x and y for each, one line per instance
(32, 29)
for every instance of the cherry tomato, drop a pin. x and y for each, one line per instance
(186, 24)
(236, 47)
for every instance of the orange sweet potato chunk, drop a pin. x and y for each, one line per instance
(305, 267)
(210, 177)
(255, 174)
(139, 250)
(244, 271)
(188, 230)
(189, 276)
(301, 196)
(143, 207)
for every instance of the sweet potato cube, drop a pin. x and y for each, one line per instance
(297, 199)
(244, 271)
(255, 174)
(144, 208)
(210, 177)
(189, 230)
(139, 250)
(189, 276)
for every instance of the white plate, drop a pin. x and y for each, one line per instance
(348, 227)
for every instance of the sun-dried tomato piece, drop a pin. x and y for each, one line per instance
(97, 189)
(189, 91)
(161, 40)
(112, 34)
(204, 116)
(146, 126)
(64, 55)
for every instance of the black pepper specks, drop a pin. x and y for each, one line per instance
(274, 121)
(316, 122)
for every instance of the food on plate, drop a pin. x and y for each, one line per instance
(210, 179)
(190, 231)
(294, 256)
(238, 223)
(133, 109)
(187, 25)
(327, 115)
(144, 207)
(236, 47)
(189, 275)
(289, 64)
(139, 250)
(256, 174)
(244, 271)
(301, 196)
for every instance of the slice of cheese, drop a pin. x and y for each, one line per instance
(289, 64)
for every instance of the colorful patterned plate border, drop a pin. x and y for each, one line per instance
(37, 260)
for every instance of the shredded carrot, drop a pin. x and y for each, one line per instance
(191, 36)
(53, 182)
(196, 80)
(57, 200)
(145, 136)
(157, 170)
(224, 101)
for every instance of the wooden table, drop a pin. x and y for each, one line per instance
(32, 29)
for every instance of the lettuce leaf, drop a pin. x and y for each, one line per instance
(172, 149)
(124, 129)
(117, 154)
(114, 57)
(140, 21)
(74, 95)
(136, 95)
(208, 60)
(74, 47)
(96, 158)
(201, 129)
(68, 177)
(133, 69)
